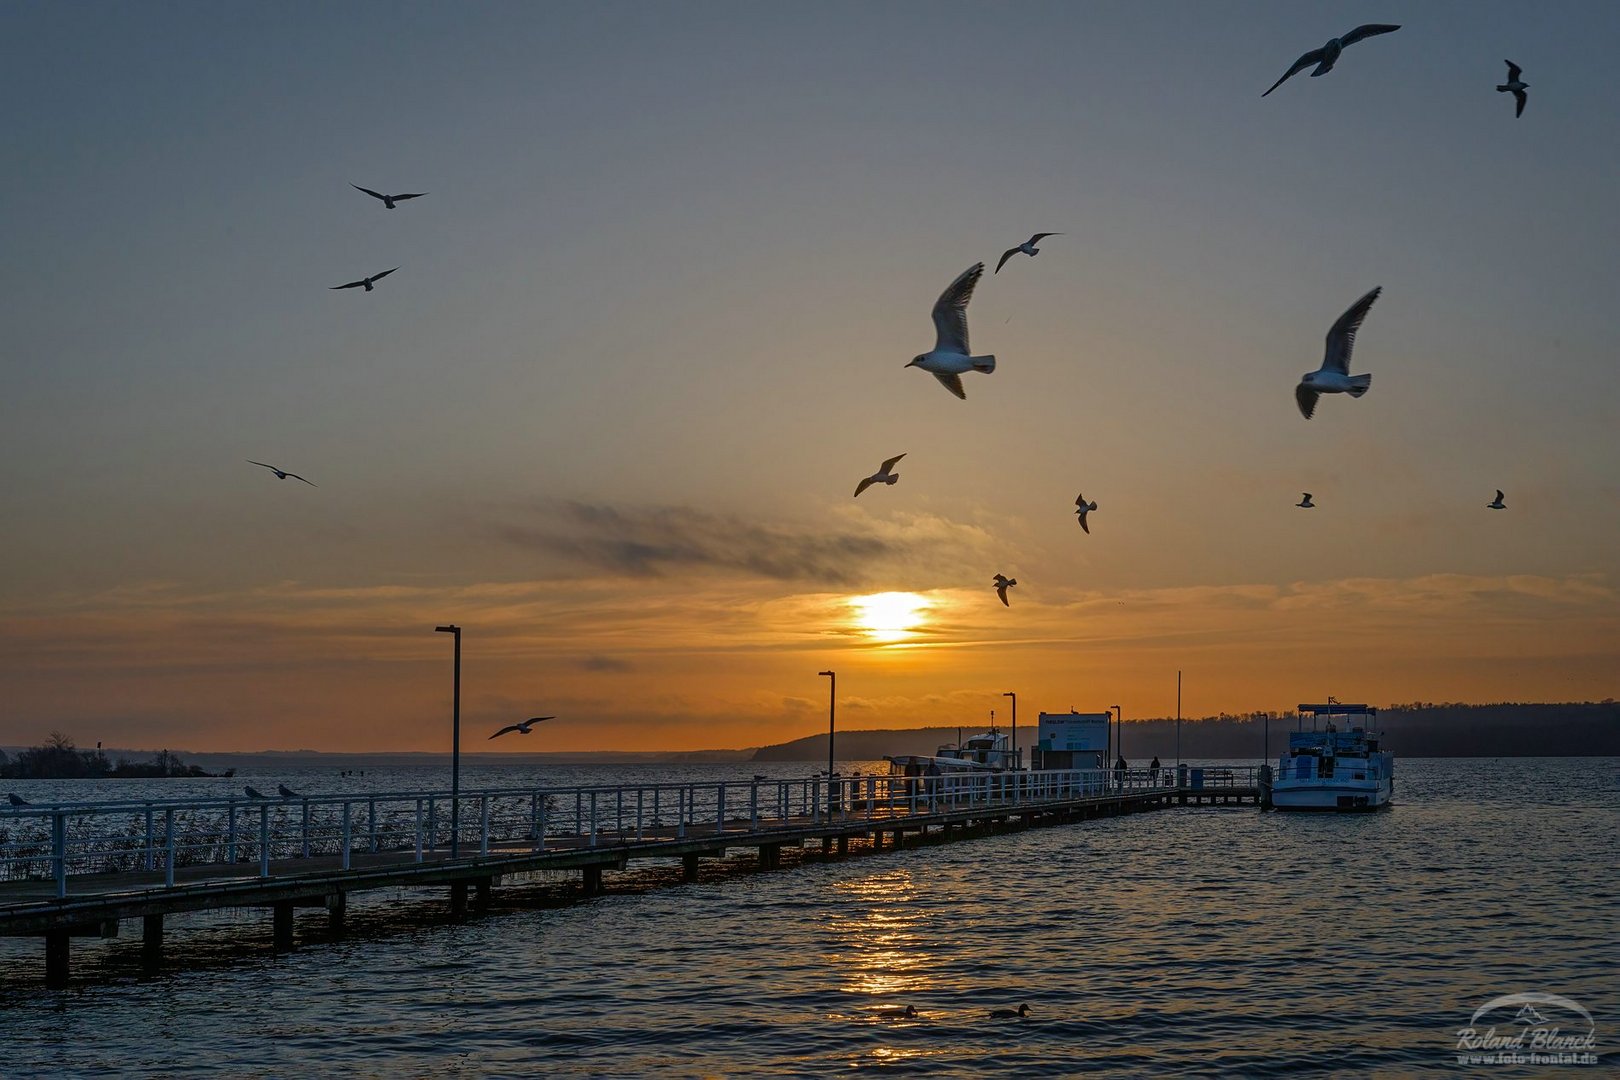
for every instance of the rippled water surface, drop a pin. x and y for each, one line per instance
(1184, 942)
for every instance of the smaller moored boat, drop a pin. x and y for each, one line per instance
(1337, 765)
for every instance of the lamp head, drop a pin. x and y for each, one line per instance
(451, 629)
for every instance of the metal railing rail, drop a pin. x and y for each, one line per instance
(243, 836)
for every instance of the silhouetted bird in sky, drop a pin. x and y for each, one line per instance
(286, 792)
(882, 476)
(1306, 501)
(1010, 1014)
(1084, 508)
(1002, 585)
(1515, 86)
(1328, 55)
(281, 474)
(1497, 504)
(388, 201)
(255, 793)
(521, 728)
(1027, 247)
(17, 800)
(364, 283)
(1334, 377)
(950, 354)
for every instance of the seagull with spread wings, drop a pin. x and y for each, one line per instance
(1334, 375)
(365, 282)
(1306, 502)
(1497, 504)
(1082, 509)
(281, 474)
(388, 201)
(521, 728)
(1328, 55)
(1515, 86)
(882, 476)
(1027, 247)
(1002, 584)
(951, 354)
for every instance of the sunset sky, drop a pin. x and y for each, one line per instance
(650, 330)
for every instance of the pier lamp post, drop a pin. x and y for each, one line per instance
(1015, 727)
(455, 746)
(1119, 733)
(832, 701)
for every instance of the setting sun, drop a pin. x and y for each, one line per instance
(890, 616)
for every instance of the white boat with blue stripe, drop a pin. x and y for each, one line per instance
(1337, 764)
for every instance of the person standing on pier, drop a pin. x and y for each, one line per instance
(1153, 769)
(1119, 771)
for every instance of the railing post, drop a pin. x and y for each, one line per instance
(264, 839)
(371, 823)
(433, 824)
(59, 851)
(593, 818)
(146, 862)
(680, 813)
(304, 847)
(345, 834)
(418, 830)
(753, 807)
(640, 792)
(720, 809)
(540, 823)
(483, 813)
(230, 837)
(168, 847)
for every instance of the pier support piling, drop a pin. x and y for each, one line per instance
(591, 879)
(151, 943)
(337, 905)
(458, 900)
(689, 867)
(482, 889)
(282, 926)
(56, 959)
(843, 845)
(770, 856)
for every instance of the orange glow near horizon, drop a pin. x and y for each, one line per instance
(891, 617)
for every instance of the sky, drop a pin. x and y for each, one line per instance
(649, 330)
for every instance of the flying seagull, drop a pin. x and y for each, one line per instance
(281, 474)
(1084, 509)
(521, 728)
(1027, 247)
(286, 792)
(1328, 55)
(16, 799)
(1334, 377)
(1010, 1014)
(1515, 86)
(882, 476)
(255, 793)
(1306, 502)
(388, 201)
(1002, 585)
(364, 283)
(1497, 504)
(950, 355)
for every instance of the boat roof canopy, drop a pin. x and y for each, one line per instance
(1337, 709)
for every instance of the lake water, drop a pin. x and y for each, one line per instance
(1187, 942)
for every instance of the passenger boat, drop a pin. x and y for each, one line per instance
(978, 753)
(1337, 765)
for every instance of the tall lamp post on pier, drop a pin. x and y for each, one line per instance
(832, 701)
(1015, 727)
(455, 746)
(1119, 733)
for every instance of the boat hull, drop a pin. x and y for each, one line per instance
(1329, 798)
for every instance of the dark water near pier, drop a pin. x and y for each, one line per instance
(1179, 943)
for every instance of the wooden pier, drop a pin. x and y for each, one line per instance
(85, 869)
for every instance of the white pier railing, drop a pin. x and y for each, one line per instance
(244, 837)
